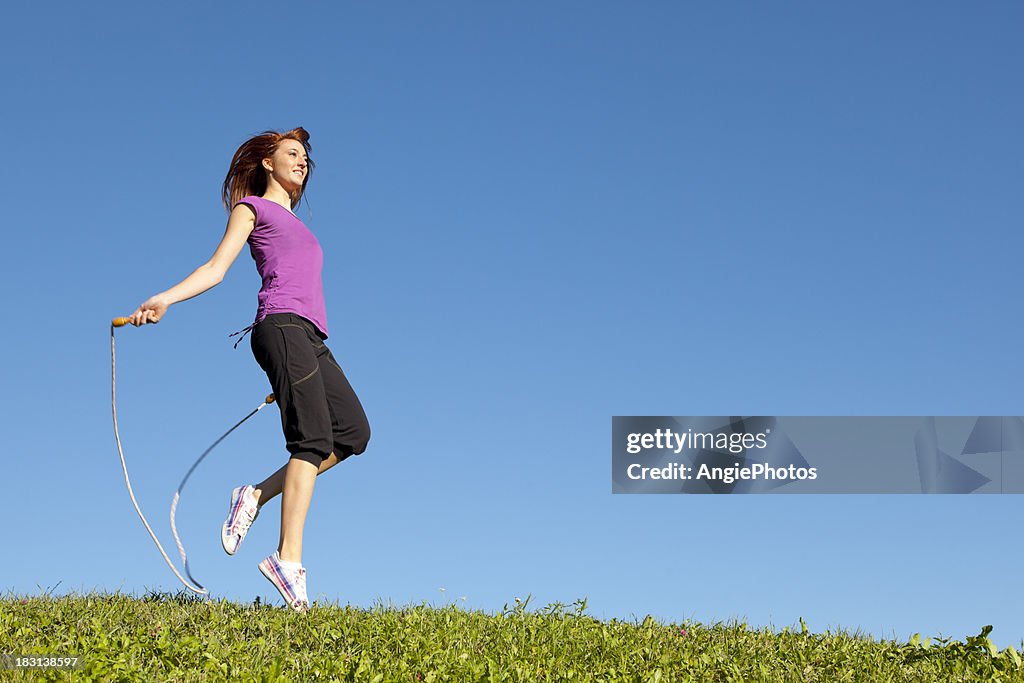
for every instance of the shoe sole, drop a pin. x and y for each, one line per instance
(265, 570)
(224, 541)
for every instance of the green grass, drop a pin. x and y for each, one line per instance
(163, 637)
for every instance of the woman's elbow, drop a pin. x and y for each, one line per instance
(216, 274)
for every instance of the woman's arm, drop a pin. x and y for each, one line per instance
(210, 274)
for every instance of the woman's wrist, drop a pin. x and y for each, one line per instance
(164, 298)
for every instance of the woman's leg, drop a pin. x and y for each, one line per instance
(287, 350)
(318, 409)
(348, 420)
(300, 476)
(274, 484)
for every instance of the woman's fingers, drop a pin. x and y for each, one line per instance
(143, 315)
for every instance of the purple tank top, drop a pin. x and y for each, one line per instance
(289, 259)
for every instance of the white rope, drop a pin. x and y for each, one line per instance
(181, 486)
(113, 405)
(195, 586)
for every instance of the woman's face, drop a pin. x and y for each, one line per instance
(289, 165)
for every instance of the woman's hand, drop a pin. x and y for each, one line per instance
(151, 311)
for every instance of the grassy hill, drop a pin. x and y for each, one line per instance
(162, 637)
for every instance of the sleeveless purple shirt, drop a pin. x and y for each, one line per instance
(289, 259)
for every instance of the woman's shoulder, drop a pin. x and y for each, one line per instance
(253, 202)
(250, 199)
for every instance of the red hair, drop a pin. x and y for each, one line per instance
(246, 175)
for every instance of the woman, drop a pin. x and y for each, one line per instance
(322, 418)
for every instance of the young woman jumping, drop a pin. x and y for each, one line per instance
(323, 421)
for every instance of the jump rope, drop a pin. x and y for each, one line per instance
(191, 582)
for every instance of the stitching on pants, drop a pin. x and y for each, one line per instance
(298, 382)
(316, 344)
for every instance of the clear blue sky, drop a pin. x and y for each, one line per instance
(534, 217)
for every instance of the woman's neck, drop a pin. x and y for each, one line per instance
(278, 196)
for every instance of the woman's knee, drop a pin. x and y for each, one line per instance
(362, 438)
(353, 441)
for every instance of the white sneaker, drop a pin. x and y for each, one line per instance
(242, 513)
(290, 581)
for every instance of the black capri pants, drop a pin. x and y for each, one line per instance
(320, 412)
